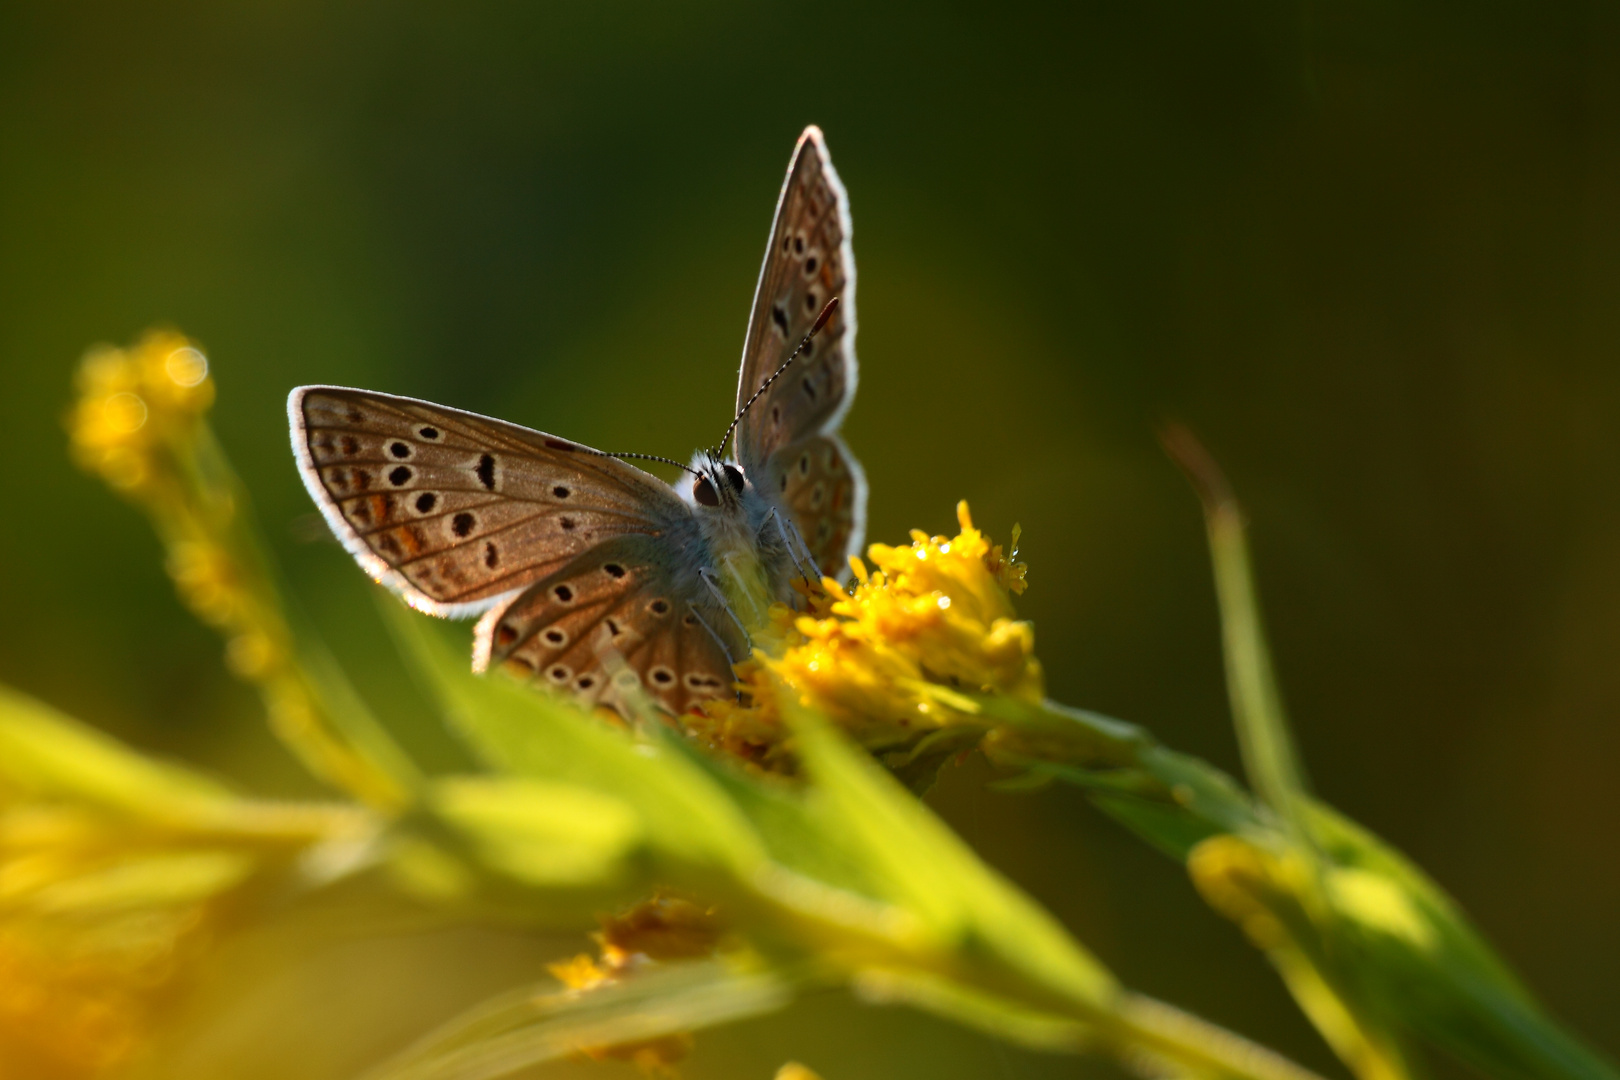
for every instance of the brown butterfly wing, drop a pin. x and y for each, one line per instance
(613, 624)
(809, 261)
(821, 484)
(455, 510)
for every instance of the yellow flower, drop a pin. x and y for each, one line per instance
(132, 400)
(794, 1071)
(660, 929)
(140, 424)
(894, 659)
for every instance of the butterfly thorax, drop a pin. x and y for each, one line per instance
(751, 563)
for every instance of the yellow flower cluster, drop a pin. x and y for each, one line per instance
(140, 424)
(895, 659)
(134, 400)
(661, 929)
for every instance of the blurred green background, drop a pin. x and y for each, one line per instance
(1370, 251)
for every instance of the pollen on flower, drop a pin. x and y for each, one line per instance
(580, 972)
(896, 658)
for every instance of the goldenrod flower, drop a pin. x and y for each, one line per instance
(133, 400)
(894, 659)
(140, 424)
(661, 929)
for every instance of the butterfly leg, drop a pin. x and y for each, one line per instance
(793, 530)
(775, 518)
(719, 595)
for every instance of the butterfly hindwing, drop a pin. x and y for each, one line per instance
(822, 487)
(808, 262)
(614, 623)
(454, 510)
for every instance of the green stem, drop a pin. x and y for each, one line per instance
(1160, 1029)
(1124, 767)
(1269, 757)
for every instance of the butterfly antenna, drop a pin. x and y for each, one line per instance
(821, 320)
(641, 457)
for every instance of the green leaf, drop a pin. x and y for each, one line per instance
(1269, 756)
(540, 1024)
(1402, 943)
(795, 838)
(140, 881)
(683, 815)
(1171, 829)
(46, 753)
(967, 911)
(544, 834)
(995, 1016)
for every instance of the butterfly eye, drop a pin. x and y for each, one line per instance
(734, 477)
(704, 492)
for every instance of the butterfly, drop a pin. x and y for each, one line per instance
(593, 576)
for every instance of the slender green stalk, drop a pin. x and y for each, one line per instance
(1155, 1028)
(1269, 757)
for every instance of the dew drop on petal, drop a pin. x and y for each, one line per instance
(944, 602)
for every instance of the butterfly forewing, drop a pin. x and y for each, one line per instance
(614, 623)
(454, 510)
(808, 262)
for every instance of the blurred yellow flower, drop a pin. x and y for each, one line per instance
(140, 424)
(894, 659)
(661, 929)
(794, 1071)
(133, 400)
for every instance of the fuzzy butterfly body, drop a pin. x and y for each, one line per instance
(592, 575)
